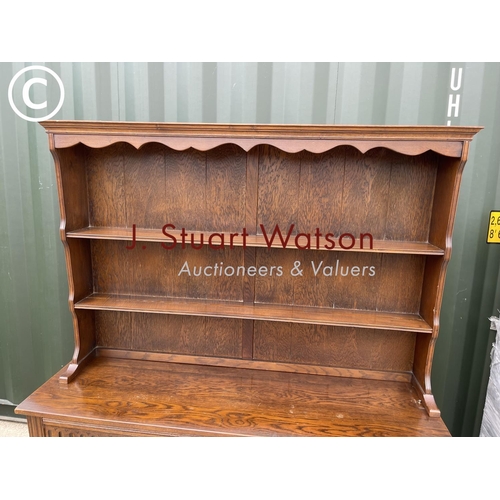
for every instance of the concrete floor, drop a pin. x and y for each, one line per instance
(13, 429)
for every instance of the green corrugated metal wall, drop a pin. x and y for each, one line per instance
(35, 327)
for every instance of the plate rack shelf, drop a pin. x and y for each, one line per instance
(307, 261)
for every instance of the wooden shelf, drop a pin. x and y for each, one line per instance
(264, 312)
(169, 399)
(259, 241)
(235, 358)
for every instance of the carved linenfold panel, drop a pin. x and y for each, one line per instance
(64, 432)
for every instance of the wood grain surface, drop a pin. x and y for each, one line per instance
(254, 240)
(261, 312)
(117, 396)
(306, 340)
(408, 140)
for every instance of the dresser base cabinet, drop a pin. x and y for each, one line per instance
(251, 280)
(123, 397)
